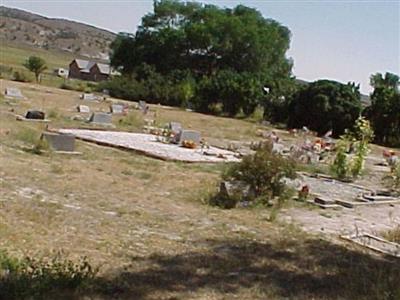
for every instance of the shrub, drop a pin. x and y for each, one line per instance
(358, 139)
(31, 277)
(263, 172)
(20, 76)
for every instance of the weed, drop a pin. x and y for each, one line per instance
(34, 277)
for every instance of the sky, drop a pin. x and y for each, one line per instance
(342, 40)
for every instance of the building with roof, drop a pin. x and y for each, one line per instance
(89, 70)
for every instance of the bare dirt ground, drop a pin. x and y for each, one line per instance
(145, 223)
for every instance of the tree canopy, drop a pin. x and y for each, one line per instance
(36, 65)
(208, 46)
(384, 111)
(325, 105)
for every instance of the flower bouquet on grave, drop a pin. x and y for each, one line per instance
(189, 144)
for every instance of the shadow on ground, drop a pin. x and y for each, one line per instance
(308, 269)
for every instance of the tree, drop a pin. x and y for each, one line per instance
(325, 105)
(36, 65)
(384, 111)
(236, 48)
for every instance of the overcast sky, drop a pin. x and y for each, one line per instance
(342, 40)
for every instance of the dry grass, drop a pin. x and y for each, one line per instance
(393, 235)
(143, 221)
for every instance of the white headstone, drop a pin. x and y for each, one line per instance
(142, 105)
(83, 108)
(117, 108)
(14, 93)
(87, 96)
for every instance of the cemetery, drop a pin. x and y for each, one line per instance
(146, 180)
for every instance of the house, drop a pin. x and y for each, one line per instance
(89, 70)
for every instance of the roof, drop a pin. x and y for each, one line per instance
(82, 64)
(104, 69)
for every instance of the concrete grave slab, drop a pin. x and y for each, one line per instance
(83, 108)
(375, 243)
(13, 93)
(60, 142)
(148, 145)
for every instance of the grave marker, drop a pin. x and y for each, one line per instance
(35, 115)
(189, 135)
(117, 108)
(175, 127)
(101, 118)
(83, 108)
(13, 93)
(87, 96)
(60, 142)
(142, 105)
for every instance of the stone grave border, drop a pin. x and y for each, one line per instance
(353, 239)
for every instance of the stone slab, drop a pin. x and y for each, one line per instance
(189, 135)
(83, 108)
(88, 96)
(117, 108)
(375, 243)
(148, 144)
(101, 118)
(35, 115)
(60, 142)
(13, 93)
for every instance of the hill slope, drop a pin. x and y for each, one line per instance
(26, 28)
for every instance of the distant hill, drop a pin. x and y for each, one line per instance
(22, 27)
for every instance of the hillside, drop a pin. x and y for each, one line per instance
(25, 28)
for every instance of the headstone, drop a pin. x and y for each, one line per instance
(175, 127)
(83, 108)
(90, 97)
(14, 93)
(142, 105)
(117, 108)
(35, 115)
(189, 135)
(101, 118)
(60, 142)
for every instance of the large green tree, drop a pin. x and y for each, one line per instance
(384, 111)
(211, 44)
(36, 65)
(325, 105)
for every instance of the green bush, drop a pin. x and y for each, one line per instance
(31, 277)
(20, 76)
(263, 172)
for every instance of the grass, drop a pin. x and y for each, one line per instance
(393, 235)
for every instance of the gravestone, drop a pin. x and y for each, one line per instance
(14, 93)
(117, 108)
(83, 108)
(175, 127)
(90, 97)
(101, 118)
(35, 115)
(60, 142)
(142, 105)
(189, 135)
